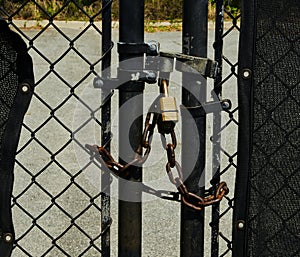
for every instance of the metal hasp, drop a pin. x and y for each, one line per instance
(194, 41)
(16, 86)
(130, 213)
(159, 61)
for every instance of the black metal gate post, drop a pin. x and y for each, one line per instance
(130, 213)
(106, 131)
(194, 43)
(216, 137)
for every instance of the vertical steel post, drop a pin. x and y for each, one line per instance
(194, 43)
(106, 131)
(130, 212)
(216, 139)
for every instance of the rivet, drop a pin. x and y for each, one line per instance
(241, 225)
(8, 237)
(25, 88)
(246, 73)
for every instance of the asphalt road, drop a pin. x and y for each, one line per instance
(52, 158)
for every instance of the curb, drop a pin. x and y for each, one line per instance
(79, 25)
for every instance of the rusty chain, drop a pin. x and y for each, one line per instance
(190, 199)
(104, 157)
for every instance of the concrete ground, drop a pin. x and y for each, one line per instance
(161, 218)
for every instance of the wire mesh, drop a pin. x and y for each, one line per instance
(56, 211)
(224, 139)
(53, 202)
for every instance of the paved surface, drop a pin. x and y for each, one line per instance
(161, 218)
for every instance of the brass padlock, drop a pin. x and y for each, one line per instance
(168, 110)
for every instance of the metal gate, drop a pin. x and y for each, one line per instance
(61, 199)
(267, 201)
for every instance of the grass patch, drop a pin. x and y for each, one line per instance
(154, 27)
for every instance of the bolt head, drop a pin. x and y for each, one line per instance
(226, 105)
(98, 83)
(152, 47)
(151, 76)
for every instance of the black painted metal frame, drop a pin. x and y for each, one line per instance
(21, 89)
(130, 213)
(244, 143)
(106, 121)
(217, 124)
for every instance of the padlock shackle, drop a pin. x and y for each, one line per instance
(164, 87)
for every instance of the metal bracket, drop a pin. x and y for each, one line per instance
(150, 48)
(163, 194)
(209, 107)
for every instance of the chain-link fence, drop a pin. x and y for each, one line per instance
(227, 28)
(57, 208)
(55, 211)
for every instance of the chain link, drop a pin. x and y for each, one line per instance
(190, 199)
(104, 157)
